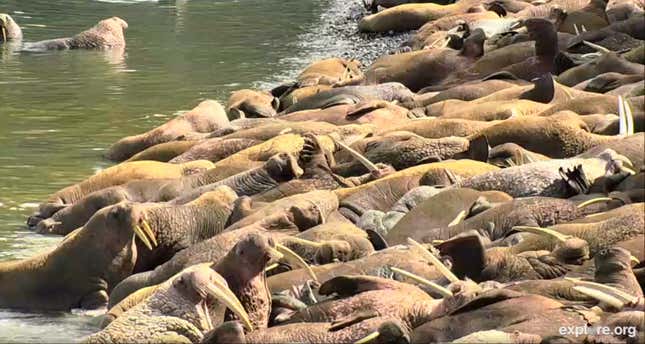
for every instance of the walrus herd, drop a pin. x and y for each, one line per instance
(483, 184)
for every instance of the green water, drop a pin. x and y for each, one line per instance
(60, 110)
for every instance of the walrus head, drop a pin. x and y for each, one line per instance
(9, 30)
(543, 32)
(113, 22)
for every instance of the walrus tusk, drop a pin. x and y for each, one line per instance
(575, 28)
(460, 217)
(4, 35)
(543, 232)
(271, 267)
(358, 156)
(274, 254)
(149, 232)
(296, 260)
(615, 292)
(139, 233)
(434, 261)
(600, 296)
(629, 117)
(594, 201)
(584, 29)
(634, 260)
(370, 337)
(434, 286)
(304, 241)
(222, 293)
(622, 121)
(597, 47)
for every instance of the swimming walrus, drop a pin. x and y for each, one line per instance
(107, 34)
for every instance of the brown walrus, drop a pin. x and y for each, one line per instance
(108, 33)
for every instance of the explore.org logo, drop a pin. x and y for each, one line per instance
(619, 331)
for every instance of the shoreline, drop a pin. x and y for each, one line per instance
(337, 35)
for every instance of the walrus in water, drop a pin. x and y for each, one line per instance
(107, 34)
(9, 30)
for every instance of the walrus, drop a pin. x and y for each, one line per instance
(390, 91)
(441, 210)
(112, 176)
(180, 310)
(9, 30)
(277, 169)
(107, 34)
(497, 222)
(206, 117)
(377, 330)
(252, 104)
(553, 178)
(412, 16)
(418, 69)
(81, 270)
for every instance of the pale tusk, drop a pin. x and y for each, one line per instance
(303, 241)
(584, 29)
(149, 232)
(370, 337)
(543, 232)
(434, 261)
(597, 47)
(138, 232)
(271, 267)
(600, 296)
(634, 260)
(575, 28)
(460, 217)
(622, 119)
(274, 254)
(594, 201)
(358, 156)
(434, 286)
(615, 292)
(629, 117)
(296, 260)
(223, 294)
